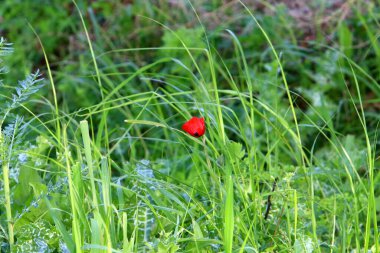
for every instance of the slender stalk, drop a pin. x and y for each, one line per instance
(7, 192)
(56, 109)
(74, 204)
(8, 208)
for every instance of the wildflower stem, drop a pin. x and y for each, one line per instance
(8, 204)
(7, 191)
(206, 154)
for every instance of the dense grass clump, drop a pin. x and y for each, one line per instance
(93, 158)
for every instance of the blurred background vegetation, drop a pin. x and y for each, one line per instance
(310, 36)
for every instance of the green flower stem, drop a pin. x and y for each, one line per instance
(8, 204)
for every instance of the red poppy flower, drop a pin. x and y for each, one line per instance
(195, 127)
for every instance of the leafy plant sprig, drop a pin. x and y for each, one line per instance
(9, 136)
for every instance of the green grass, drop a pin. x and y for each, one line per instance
(98, 161)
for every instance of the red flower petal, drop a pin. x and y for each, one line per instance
(195, 127)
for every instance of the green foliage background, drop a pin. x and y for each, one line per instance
(153, 188)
